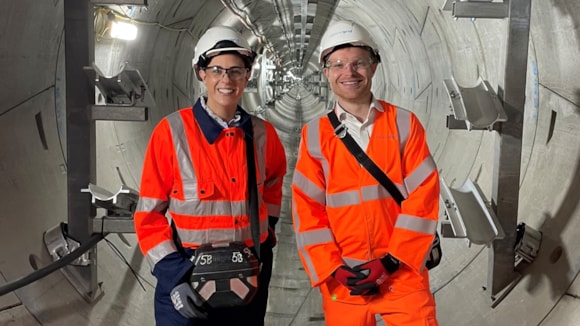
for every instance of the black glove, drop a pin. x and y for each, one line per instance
(187, 302)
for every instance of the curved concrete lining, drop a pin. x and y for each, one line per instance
(421, 45)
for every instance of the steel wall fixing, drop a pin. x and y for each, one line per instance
(120, 207)
(468, 215)
(120, 2)
(470, 105)
(126, 96)
(59, 244)
(528, 243)
(81, 142)
(476, 8)
(475, 107)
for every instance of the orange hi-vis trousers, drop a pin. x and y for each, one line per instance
(410, 309)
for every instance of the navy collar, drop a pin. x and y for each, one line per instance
(211, 129)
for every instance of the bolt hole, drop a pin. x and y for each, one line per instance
(555, 255)
(33, 260)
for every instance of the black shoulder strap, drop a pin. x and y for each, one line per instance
(253, 192)
(362, 158)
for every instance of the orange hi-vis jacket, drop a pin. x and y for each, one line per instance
(197, 172)
(343, 216)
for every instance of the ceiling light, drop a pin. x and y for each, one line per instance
(123, 31)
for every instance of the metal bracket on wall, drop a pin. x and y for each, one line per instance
(124, 97)
(468, 215)
(120, 207)
(476, 107)
(59, 244)
(476, 8)
(120, 2)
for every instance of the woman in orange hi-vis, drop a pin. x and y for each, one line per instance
(366, 253)
(196, 174)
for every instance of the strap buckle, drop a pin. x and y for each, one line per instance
(340, 131)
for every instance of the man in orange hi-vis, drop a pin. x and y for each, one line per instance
(366, 253)
(198, 173)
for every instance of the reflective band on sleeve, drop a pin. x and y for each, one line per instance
(421, 172)
(416, 224)
(147, 205)
(309, 264)
(309, 188)
(155, 254)
(314, 237)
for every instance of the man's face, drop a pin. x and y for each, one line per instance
(224, 89)
(350, 72)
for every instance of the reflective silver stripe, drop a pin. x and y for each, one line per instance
(309, 188)
(147, 205)
(404, 127)
(417, 224)
(301, 249)
(352, 262)
(421, 172)
(402, 189)
(274, 210)
(181, 145)
(308, 262)
(314, 146)
(155, 254)
(296, 220)
(349, 198)
(376, 192)
(314, 139)
(200, 208)
(210, 235)
(314, 237)
(341, 199)
(308, 238)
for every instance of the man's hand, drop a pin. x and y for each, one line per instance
(348, 277)
(272, 237)
(187, 302)
(377, 271)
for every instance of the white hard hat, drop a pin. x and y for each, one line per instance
(206, 46)
(345, 32)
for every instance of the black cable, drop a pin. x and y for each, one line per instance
(120, 255)
(43, 272)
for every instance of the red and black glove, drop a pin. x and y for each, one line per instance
(377, 271)
(348, 277)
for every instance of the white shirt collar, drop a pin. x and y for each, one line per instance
(341, 112)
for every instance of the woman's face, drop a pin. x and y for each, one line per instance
(225, 78)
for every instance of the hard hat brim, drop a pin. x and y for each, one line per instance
(242, 51)
(328, 51)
